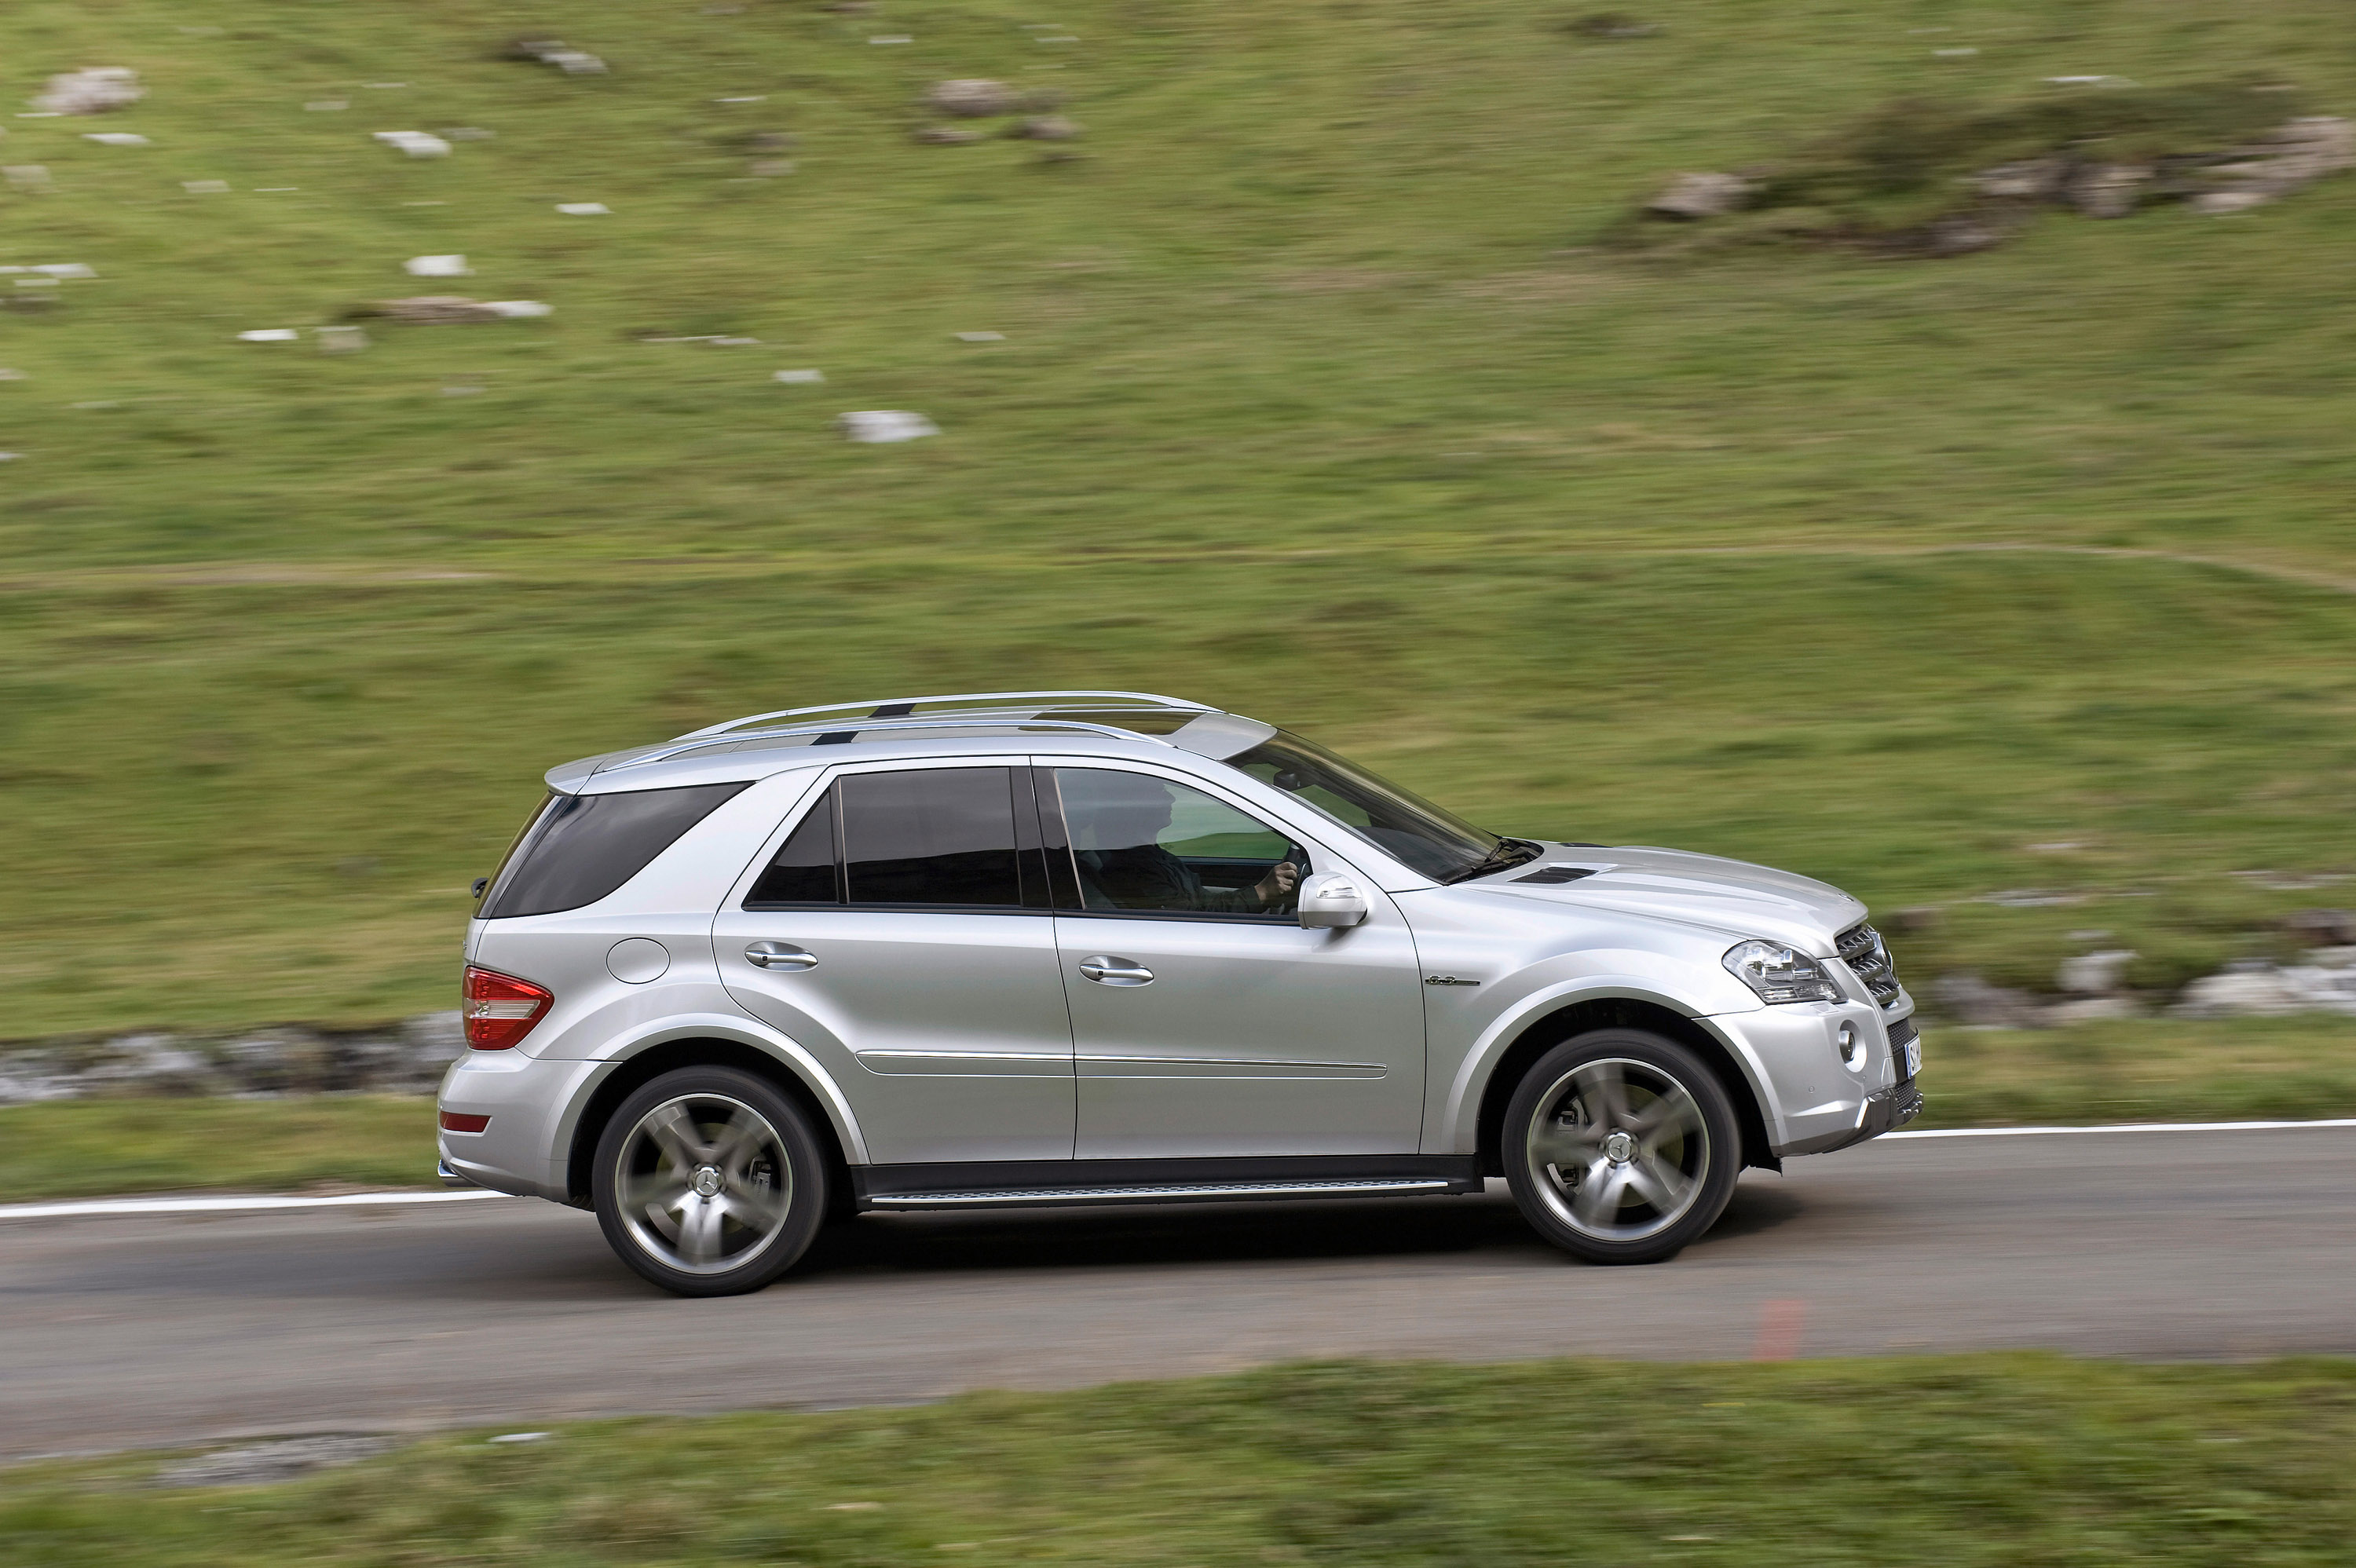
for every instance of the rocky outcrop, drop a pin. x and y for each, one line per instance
(406, 1058)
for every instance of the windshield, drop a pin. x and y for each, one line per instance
(1407, 827)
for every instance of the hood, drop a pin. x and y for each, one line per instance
(1732, 896)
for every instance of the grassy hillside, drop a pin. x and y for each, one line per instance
(1316, 397)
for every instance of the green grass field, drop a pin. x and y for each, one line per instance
(1317, 399)
(1954, 1460)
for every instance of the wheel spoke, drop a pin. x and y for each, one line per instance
(674, 1132)
(756, 1209)
(741, 1139)
(1596, 1204)
(1605, 1082)
(1668, 1116)
(1564, 1144)
(699, 1229)
(1664, 1185)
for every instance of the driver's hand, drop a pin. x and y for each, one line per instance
(1277, 886)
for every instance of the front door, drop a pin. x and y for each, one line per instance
(1206, 1020)
(903, 924)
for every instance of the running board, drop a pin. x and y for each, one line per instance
(1175, 1193)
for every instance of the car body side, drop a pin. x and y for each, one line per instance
(1505, 966)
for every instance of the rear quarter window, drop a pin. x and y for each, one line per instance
(581, 847)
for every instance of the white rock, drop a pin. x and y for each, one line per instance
(327, 105)
(416, 144)
(341, 339)
(67, 269)
(270, 335)
(469, 133)
(736, 343)
(2094, 973)
(437, 267)
(117, 138)
(10, 456)
(1954, 53)
(205, 187)
(38, 282)
(583, 208)
(8, 375)
(518, 308)
(893, 38)
(877, 425)
(27, 176)
(91, 92)
(574, 63)
(982, 337)
(802, 378)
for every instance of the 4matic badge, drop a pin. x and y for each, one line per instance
(1447, 980)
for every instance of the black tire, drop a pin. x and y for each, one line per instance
(1630, 1185)
(710, 1181)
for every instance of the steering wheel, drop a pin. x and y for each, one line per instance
(1298, 855)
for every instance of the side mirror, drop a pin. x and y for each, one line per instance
(1331, 899)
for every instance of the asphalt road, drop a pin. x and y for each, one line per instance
(135, 1331)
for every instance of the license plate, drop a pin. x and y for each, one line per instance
(1910, 1058)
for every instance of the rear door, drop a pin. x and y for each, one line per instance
(904, 917)
(1206, 1020)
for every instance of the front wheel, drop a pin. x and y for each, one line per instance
(1621, 1145)
(709, 1181)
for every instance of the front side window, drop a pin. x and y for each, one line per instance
(581, 847)
(1406, 827)
(930, 838)
(1146, 844)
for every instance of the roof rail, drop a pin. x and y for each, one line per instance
(702, 739)
(897, 706)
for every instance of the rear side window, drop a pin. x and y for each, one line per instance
(934, 838)
(582, 846)
(939, 835)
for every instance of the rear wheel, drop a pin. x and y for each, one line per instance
(1621, 1145)
(709, 1181)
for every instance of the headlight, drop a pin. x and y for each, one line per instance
(1779, 973)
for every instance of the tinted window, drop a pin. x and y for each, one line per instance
(582, 846)
(803, 869)
(941, 836)
(1144, 843)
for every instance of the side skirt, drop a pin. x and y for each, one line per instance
(1065, 1183)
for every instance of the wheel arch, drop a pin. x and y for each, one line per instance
(1538, 1035)
(779, 1062)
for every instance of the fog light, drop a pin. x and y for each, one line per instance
(1850, 1048)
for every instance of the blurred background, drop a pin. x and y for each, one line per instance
(1946, 495)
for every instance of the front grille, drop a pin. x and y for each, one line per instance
(1860, 948)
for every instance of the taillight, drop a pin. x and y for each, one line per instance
(500, 1009)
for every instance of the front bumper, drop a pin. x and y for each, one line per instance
(1884, 1110)
(1812, 1101)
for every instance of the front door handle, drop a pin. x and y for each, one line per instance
(1108, 971)
(779, 955)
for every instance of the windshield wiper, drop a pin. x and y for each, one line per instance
(1509, 853)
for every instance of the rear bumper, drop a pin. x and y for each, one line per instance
(532, 1104)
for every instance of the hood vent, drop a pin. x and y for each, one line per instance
(1552, 874)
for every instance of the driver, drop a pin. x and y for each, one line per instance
(1130, 869)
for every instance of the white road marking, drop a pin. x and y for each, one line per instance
(2116, 1127)
(201, 1205)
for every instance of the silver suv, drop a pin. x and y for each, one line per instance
(1083, 947)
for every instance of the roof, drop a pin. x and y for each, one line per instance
(1114, 722)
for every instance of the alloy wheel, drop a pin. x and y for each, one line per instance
(1618, 1149)
(703, 1184)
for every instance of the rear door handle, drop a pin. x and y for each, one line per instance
(779, 955)
(1109, 971)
